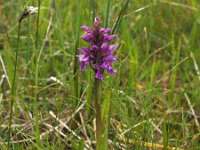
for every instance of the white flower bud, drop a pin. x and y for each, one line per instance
(30, 10)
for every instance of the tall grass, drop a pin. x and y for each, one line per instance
(13, 87)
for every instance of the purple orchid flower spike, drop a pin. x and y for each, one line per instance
(99, 54)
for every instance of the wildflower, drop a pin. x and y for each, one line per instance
(28, 11)
(99, 54)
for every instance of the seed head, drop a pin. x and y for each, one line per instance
(28, 11)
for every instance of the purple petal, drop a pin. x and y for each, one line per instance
(108, 38)
(99, 74)
(110, 71)
(104, 47)
(96, 19)
(108, 66)
(105, 65)
(83, 58)
(88, 37)
(83, 66)
(86, 28)
(108, 49)
(109, 58)
(97, 22)
(111, 48)
(105, 30)
(84, 49)
(95, 47)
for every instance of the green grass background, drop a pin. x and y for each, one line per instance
(155, 91)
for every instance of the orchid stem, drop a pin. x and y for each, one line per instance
(97, 98)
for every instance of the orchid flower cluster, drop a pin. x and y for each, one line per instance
(99, 54)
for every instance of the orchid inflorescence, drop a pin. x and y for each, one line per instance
(99, 54)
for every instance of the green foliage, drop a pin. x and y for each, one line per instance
(105, 114)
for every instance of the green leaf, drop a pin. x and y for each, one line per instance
(105, 119)
(77, 145)
(106, 106)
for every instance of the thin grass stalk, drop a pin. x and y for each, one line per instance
(107, 14)
(28, 41)
(76, 66)
(120, 16)
(37, 130)
(14, 87)
(93, 9)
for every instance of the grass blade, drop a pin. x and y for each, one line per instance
(107, 13)
(14, 87)
(105, 115)
(37, 130)
(120, 17)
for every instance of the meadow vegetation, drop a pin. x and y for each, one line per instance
(153, 96)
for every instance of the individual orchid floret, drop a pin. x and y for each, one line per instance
(99, 55)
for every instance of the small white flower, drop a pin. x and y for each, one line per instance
(30, 10)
